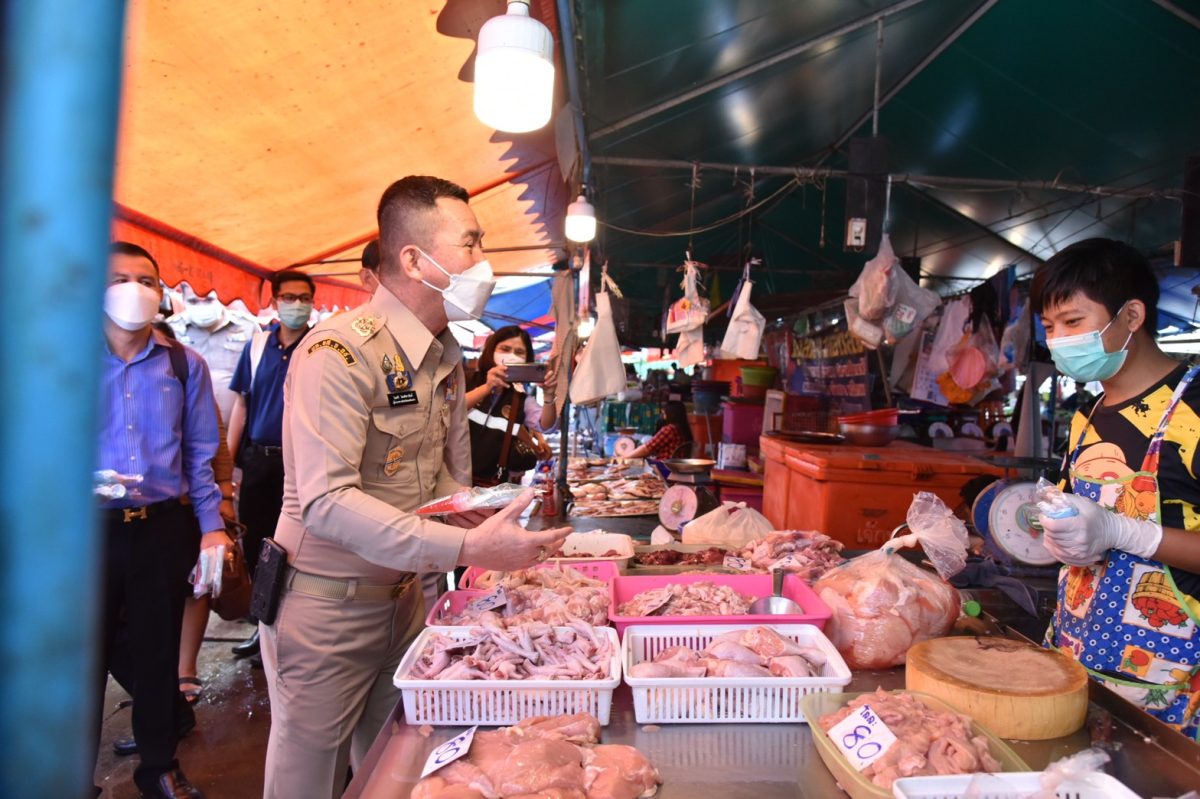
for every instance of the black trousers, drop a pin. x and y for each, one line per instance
(146, 566)
(261, 498)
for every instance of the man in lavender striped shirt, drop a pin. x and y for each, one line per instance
(162, 425)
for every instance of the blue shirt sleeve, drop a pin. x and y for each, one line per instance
(240, 382)
(199, 446)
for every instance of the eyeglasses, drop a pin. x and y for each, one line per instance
(305, 298)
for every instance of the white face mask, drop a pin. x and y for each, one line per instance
(204, 314)
(468, 293)
(131, 306)
(509, 358)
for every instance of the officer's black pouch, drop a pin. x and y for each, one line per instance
(270, 576)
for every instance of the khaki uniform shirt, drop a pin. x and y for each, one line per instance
(374, 425)
(220, 349)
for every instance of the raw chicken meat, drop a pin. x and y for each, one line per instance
(929, 741)
(882, 605)
(526, 652)
(672, 557)
(544, 758)
(554, 596)
(695, 599)
(757, 652)
(808, 555)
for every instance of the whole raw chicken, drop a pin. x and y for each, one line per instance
(882, 605)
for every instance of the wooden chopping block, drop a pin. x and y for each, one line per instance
(1017, 690)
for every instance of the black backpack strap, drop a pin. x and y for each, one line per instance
(179, 364)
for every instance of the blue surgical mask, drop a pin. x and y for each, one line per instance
(295, 314)
(1084, 358)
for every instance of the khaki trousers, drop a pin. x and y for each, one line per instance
(329, 667)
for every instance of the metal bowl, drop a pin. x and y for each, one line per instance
(869, 435)
(690, 465)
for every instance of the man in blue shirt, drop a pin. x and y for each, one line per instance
(256, 422)
(162, 425)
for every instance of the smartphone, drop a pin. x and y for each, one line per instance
(527, 373)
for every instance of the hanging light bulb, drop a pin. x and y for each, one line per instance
(581, 221)
(514, 71)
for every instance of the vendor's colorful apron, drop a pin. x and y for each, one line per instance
(1125, 616)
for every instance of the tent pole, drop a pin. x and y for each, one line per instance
(62, 64)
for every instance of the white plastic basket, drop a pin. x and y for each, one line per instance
(723, 700)
(494, 702)
(1013, 785)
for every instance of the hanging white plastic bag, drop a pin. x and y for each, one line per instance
(731, 526)
(876, 286)
(600, 372)
(691, 311)
(949, 333)
(689, 348)
(744, 335)
(869, 333)
(913, 305)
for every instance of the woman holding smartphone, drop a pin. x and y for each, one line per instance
(491, 391)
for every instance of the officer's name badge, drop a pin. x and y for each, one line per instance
(335, 345)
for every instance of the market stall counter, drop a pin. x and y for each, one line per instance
(758, 761)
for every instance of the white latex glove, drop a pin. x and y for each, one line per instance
(1082, 539)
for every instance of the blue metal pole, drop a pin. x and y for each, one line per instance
(61, 76)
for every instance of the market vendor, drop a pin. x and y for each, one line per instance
(1127, 597)
(674, 437)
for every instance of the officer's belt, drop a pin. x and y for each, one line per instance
(350, 590)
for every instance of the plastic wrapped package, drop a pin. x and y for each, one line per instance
(477, 498)
(869, 333)
(912, 307)
(876, 286)
(882, 604)
(732, 526)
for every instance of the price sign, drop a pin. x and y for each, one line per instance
(448, 752)
(905, 314)
(862, 737)
(741, 564)
(491, 601)
(787, 563)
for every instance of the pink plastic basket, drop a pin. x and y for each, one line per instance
(605, 570)
(450, 603)
(815, 612)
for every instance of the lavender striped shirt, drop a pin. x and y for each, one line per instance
(142, 432)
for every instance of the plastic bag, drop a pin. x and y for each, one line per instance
(207, 573)
(600, 372)
(1051, 502)
(689, 348)
(912, 307)
(744, 335)
(1077, 771)
(882, 604)
(731, 526)
(477, 498)
(869, 333)
(876, 286)
(953, 325)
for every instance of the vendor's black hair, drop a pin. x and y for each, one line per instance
(279, 278)
(676, 413)
(128, 248)
(1103, 270)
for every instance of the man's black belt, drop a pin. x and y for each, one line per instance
(265, 449)
(140, 514)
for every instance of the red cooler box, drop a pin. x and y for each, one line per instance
(858, 495)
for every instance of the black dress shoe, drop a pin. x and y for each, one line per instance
(248, 647)
(124, 747)
(174, 785)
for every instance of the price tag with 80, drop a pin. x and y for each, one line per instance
(448, 752)
(862, 737)
(491, 601)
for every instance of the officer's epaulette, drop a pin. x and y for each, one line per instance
(366, 325)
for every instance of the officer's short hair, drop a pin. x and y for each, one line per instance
(129, 248)
(1105, 271)
(370, 255)
(279, 278)
(403, 207)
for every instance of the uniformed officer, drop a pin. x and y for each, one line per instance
(375, 425)
(218, 334)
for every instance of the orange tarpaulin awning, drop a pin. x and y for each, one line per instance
(255, 137)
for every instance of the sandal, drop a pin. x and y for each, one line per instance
(191, 687)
